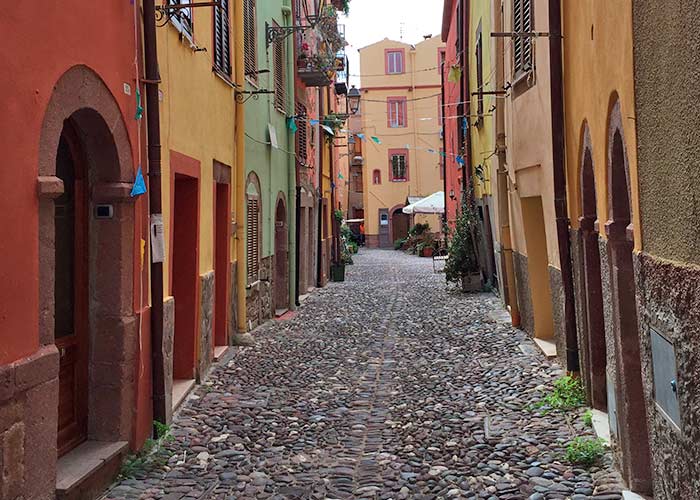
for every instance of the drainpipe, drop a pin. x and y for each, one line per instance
(319, 243)
(240, 169)
(560, 197)
(335, 257)
(292, 191)
(443, 159)
(160, 412)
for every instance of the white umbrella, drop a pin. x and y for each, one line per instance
(433, 204)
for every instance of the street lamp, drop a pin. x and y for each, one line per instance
(353, 99)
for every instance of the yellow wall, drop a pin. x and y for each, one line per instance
(422, 91)
(483, 136)
(528, 128)
(598, 63)
(197, 119)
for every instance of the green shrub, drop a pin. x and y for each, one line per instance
(398, 244)
(585, 451)
(568, 393)
(587, 418)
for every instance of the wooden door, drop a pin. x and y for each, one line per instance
(71, 294)
(281, 285)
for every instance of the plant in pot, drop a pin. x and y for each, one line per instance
(462, 264)
(426, 248)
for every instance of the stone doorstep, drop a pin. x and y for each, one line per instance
(548, 347)
(220, 352)
(90, 466)
(181, 388)
(601, 425)
(281, 312)
(628, 495)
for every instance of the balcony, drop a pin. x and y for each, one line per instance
(318, 59)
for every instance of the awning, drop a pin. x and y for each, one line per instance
(350, 221)
(433, 204)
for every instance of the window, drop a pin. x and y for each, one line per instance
(222, 38)
(183, 21)
(302, 134)
(396, 112)
(253, 217)
(522, 47)
(250, 42)
(479, 75)
(398, 165)
(394, 62)
(280, 68)
(376, 177)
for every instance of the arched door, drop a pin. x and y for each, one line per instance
(281, 283)
(399, 225)
(71, 291)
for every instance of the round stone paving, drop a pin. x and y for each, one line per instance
(389, 385)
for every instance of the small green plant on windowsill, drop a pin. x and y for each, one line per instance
(587, 418)
(585, 451)
(568, 393)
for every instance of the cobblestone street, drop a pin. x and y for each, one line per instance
(390, 385)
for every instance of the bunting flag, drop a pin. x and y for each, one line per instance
(139, 187)
(431, 150)
(459, 159)
(376, 140)
(455, 74)
(139, 107)
(465, 123)
(340, 176)
(292, 124)
(443, 154)
(361, 136)
(313, 122)
(328, 130)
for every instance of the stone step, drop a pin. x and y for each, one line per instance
(88, 469)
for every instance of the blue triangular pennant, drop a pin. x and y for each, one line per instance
(313, 122)
(460, 160)
(292, 124)
(139, 187)
(361, 136)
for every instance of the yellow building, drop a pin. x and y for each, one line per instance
(401, 101)
(198, 115)
(603, 202)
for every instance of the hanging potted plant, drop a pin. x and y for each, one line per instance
(462, 264)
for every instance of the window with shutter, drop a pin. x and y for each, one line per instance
(250, 42)
(396, 112)
(302, 134)
(394, 62)
(280, 68)
(480, 75)
(522, 46)
(253, 238)
(222, 38)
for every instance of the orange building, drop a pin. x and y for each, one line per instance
(401, 102)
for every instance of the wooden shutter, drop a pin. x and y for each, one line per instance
(250, 42)
(480, 74)
(253, 239)
(302, 134)
(222, 38)
(279, 64)
(522, 47)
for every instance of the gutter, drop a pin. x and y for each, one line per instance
(559, 171)
(160, 411)
(444, 141)
(240, 175)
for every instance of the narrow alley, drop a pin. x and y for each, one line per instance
(388, 385)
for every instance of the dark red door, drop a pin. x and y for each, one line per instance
(71, 293)
(281, 285)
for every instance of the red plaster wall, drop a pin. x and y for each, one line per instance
(40, 43)
(452, 170)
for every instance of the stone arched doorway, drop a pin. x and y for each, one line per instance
(86, 263)
(592, 297)
(400, 223)
(281, 280)
(630, 401)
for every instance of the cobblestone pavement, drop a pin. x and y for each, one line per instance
(386, 386)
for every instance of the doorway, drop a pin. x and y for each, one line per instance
(384, 235)
(538, 266)
(71, 292)
(222, 252)
(594, 322)
(399, 225)
(184, 282)
(281, 282)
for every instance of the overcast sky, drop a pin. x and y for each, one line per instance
(373, 20)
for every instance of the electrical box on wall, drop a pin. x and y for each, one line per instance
(663, 356)
(104, 211)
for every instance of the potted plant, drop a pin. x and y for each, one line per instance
(426, 247)
(462, 264)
